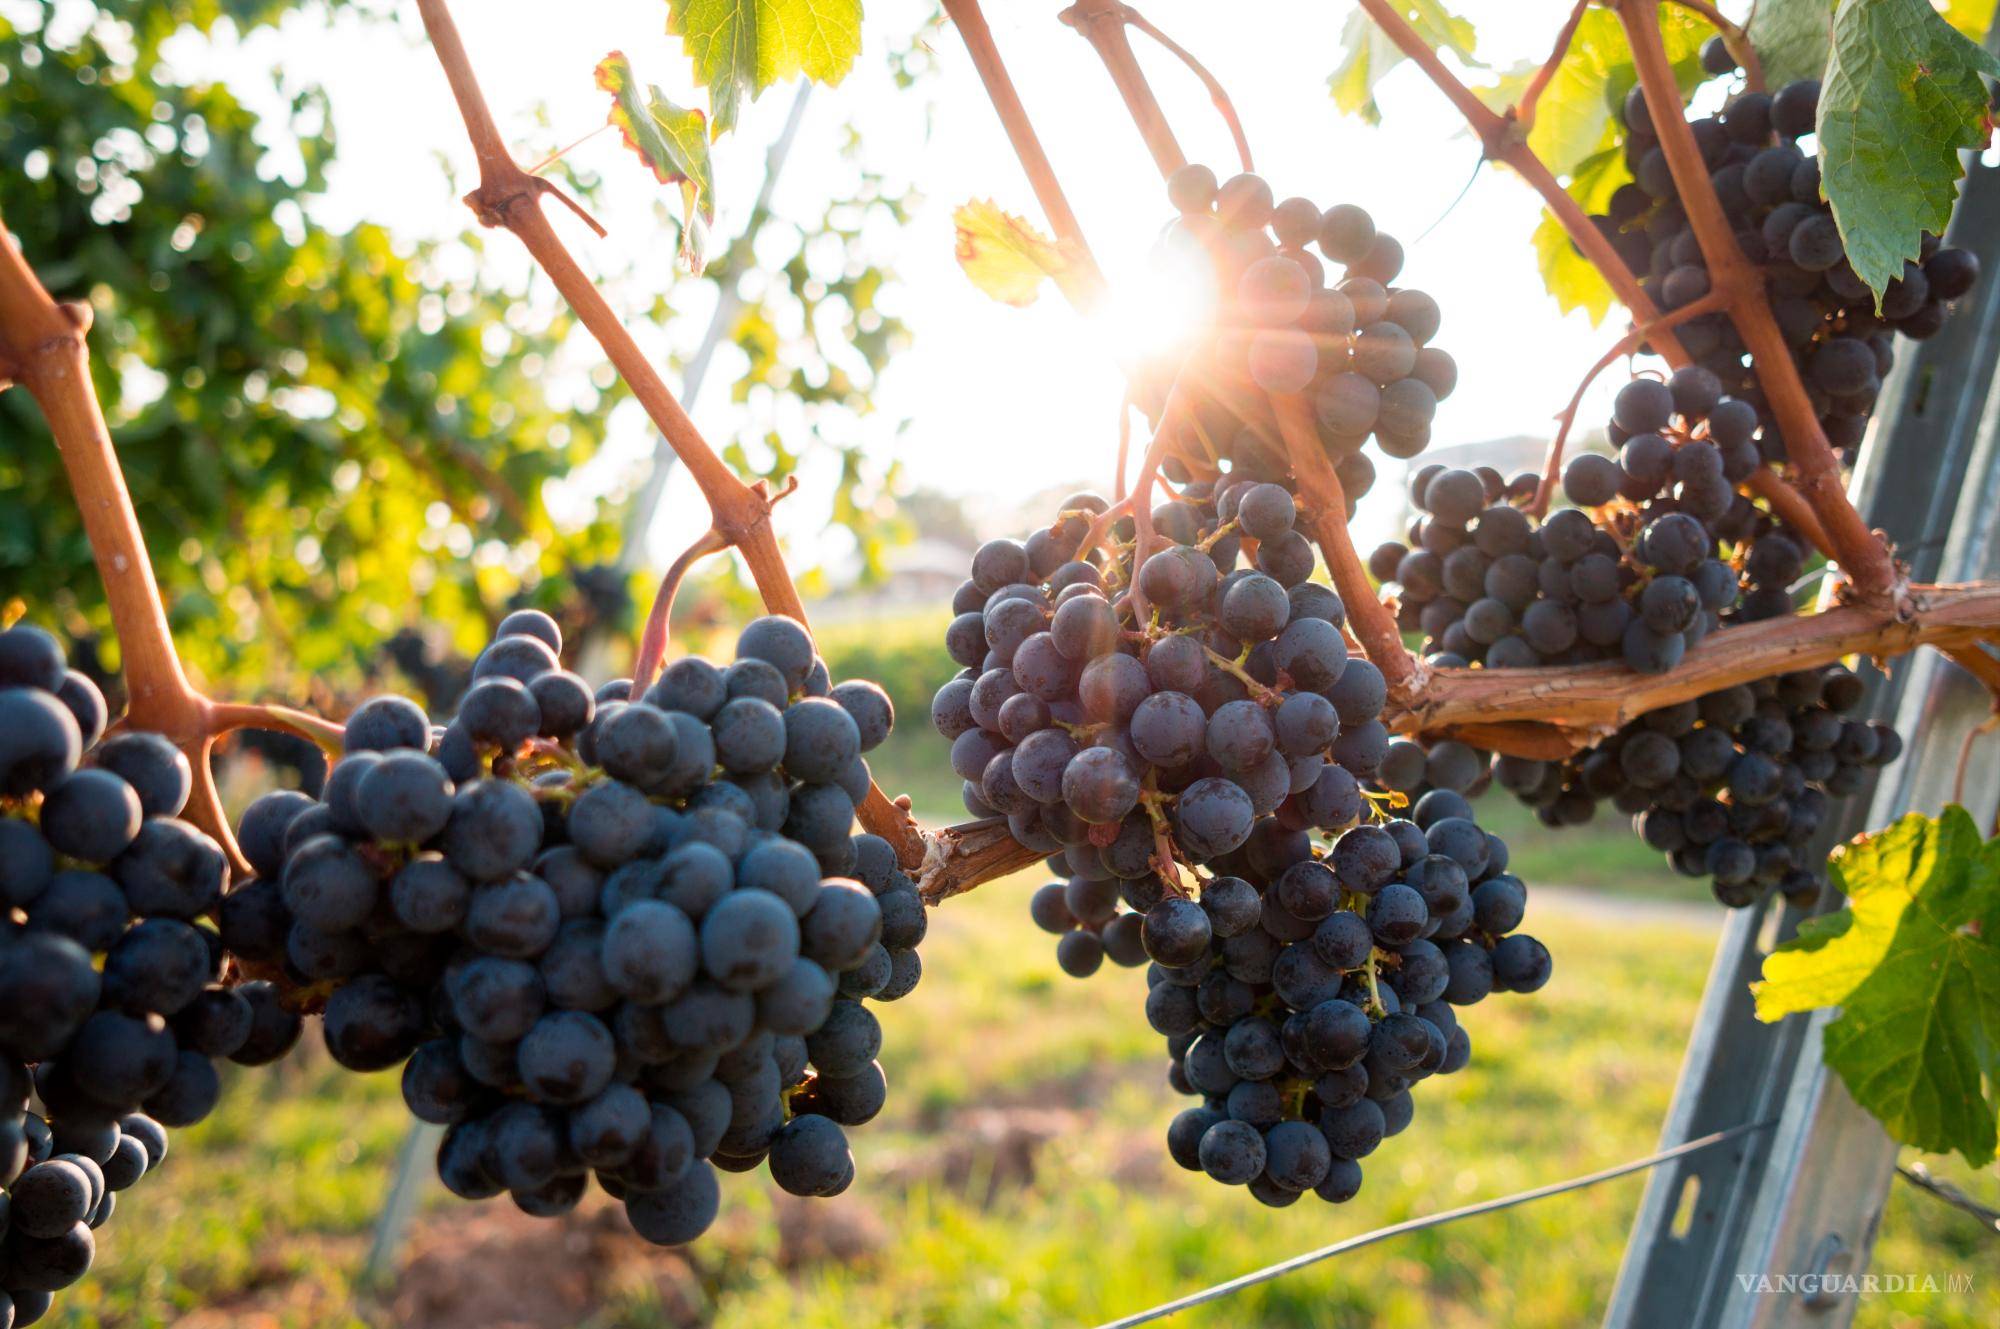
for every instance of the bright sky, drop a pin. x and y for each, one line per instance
(1004, 402)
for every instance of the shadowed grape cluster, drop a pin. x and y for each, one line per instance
(628, 937)
(1174, 738)
(1732, 787)
(1770, 192)
(112, 1015)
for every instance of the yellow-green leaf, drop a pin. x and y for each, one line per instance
(742, 47)
(1591, 82)
(1572, 279)
(673, 141)
(1914, 963)
(1367, 53)
(1006, 257)
(1903, 94)
(1971, 17)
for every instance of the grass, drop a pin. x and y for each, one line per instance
(1017, 1178)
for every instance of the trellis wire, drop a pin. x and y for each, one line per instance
(1341, 1247)
(1945, 1193)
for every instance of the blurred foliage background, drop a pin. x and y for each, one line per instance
(346, 455)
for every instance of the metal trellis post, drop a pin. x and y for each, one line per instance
(1806, 1197)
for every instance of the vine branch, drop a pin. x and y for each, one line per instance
(1630, 342)
(509, 197)
(978, 38)
(653, 641)
(1531, 96)
(1373, 625)
(1102, 22)
(1216, 92)
(1587, 701)
(1815, 468)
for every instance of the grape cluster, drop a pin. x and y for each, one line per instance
(1640, 581)
(1199, 719)
(1732, 787)
(1770, 191)
(111, 1011)
(603, 934)
(1592, 583)
(1359, 347)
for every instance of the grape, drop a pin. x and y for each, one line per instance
(1212, 817)
(91, 815)
(405, 797)
(170, 869)
(495, 828)
(1591, 480)
(1191, 188)
(31, 659)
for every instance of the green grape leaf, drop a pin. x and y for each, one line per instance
(1902, 96)
(1572, 279)
(1006, 257)
(1792, 38)
(673, 141)
(1914, 963)
(744, 46)
(1367, 54)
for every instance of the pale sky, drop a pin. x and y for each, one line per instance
(1002, 401)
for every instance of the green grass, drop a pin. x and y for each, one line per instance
(1017, 1178)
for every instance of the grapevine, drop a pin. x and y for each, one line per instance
(628, 932)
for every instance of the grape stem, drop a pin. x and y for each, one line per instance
(653, 641)
(1164, 863)
(1630, 342)
(1141, 501)
(1503, 144)
(228, 716)
(1102, 23)
(1124, 445)
(1372, 623)
(1788, 504)
(1972, 735)
(1523, 111)
(1265, 696)
(978, 38)
(509, 197)
(1816, 471)
(1216, 92)
(42, 348)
